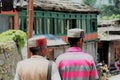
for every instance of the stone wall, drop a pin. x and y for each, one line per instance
(8, 59)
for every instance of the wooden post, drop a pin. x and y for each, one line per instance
(30, 24)
(0, 6)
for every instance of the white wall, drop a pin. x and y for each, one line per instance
(91, 48)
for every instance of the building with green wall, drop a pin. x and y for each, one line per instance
(56, 17)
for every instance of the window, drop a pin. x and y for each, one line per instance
(84, 25)
(4, 23)
(80, 24)
(74, 23)
(7, 5)
(40, 25)
(52, 26)
(93, 23)
(48, 25)
(65, 24)
(58, 26)
(114, 32)
(55, 26)
(22, 24)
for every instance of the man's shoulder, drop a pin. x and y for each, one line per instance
(88, 55)
(23, 61)
(61, 55)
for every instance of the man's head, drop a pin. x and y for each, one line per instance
(75, 37)
(38, 45)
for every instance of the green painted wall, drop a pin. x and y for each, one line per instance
(57, 23)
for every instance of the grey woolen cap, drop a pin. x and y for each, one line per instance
(76, 33)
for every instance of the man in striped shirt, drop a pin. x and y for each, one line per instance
(75, 64)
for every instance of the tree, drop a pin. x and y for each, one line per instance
(111, 10)
(89, 2)
(106, 10)
(117, 6)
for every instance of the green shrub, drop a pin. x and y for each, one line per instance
(17, 36)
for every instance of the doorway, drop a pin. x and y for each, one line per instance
(103, 47)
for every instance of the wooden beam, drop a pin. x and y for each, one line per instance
(30, 23)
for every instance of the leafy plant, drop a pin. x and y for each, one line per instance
(110, 10)
(89, 2)
(17, 36)
(113, 17)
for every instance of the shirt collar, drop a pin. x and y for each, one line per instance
(74, 49)
(37, 56)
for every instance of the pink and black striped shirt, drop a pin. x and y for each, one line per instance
(76, 65)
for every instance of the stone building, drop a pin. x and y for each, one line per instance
(109, 44)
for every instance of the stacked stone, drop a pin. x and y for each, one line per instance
(8, 59)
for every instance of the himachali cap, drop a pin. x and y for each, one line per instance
(76, 33)
(38, 41)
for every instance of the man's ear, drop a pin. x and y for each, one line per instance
(80, 42)
(44, 52)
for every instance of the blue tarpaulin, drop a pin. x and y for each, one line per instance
(53, 40)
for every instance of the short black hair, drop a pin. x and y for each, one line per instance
(73, 41)
(117, 59)
(34, 50)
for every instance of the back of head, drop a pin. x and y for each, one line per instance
(74, 35)
(116, 60)
(37, 43)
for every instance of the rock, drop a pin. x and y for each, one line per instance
(8, 59)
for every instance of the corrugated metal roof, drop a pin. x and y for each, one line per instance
(53, 40)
